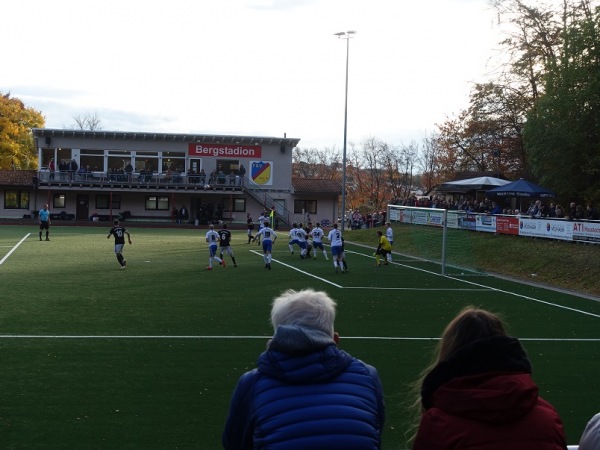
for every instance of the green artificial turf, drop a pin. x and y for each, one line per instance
(146, 358)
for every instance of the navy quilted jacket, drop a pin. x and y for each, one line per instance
(306, 394)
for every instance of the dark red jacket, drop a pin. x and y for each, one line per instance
(485, 399)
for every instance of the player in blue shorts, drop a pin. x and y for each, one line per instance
(301, 238)
(212, 237)
(317, 235)
(268, 239)
(292, 236)
(337, 248)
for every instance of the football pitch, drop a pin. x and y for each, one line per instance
(147, 358)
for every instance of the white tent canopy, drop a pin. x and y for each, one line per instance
(476, 183)
(468, 185)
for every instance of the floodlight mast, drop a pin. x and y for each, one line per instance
(345, 35)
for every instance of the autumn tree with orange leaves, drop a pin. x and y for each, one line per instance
(17, 147)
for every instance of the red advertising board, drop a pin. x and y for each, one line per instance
(225, 150)
(507, 225)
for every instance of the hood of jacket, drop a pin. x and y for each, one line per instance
(302, 355)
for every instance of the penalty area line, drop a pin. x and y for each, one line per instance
(14, 248)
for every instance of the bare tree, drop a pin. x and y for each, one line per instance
(87, 121)
(316, 163)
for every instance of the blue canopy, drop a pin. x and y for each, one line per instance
(520, 188)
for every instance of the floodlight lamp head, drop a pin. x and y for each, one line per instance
(340, 34)
(351, 32)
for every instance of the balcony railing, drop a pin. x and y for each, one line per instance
(134, 180)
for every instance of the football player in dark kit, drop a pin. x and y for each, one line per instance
(225, 243)
(250, 224)
(119, 233)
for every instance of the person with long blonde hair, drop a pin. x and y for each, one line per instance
(478, 393)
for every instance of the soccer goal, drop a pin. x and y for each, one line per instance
(435, 236)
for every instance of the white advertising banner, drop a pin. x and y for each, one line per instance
(486, 223)
(553, 229)
(586, 231)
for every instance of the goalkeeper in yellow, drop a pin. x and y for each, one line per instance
(383, 249)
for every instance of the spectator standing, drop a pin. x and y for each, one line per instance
(241, 174)
(52, 168)
(306, 393)
(129, 171)
(572, 211)
(184, 215)
(478, 394)
(592, 213)
(44, 219)
(496, 209)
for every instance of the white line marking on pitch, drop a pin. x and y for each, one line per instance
(371, 338)
(301, 271)
(472, 283)
(14, 248)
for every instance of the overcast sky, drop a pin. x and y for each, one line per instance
(249, 67)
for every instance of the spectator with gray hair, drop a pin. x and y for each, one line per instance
(306, 393)
(590, 439)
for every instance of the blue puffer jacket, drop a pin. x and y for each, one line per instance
(306, 394)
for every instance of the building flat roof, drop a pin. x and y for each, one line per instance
(165, 137)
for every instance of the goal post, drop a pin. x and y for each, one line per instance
(433, 235)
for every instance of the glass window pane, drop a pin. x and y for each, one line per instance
(239, 205)
(10, 200)
(59, 201)
(24, 203)
(151, 202)
(163, 203)
(101, 201)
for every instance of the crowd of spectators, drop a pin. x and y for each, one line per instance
(536, 208)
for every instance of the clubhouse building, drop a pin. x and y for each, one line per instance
(102, 175)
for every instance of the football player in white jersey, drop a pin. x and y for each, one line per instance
(337, 251)
(301, 238)
(293, 239)
(317, 235)
(268, 239)
(212, 237)
(389, 233)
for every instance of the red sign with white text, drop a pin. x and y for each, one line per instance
(507, 225)
(225, 150)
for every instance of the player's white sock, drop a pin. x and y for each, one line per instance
(325, 254)
(291, 248)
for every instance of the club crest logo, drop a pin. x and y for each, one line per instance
(260, 172)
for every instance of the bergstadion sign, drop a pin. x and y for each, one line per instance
(225, 150)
